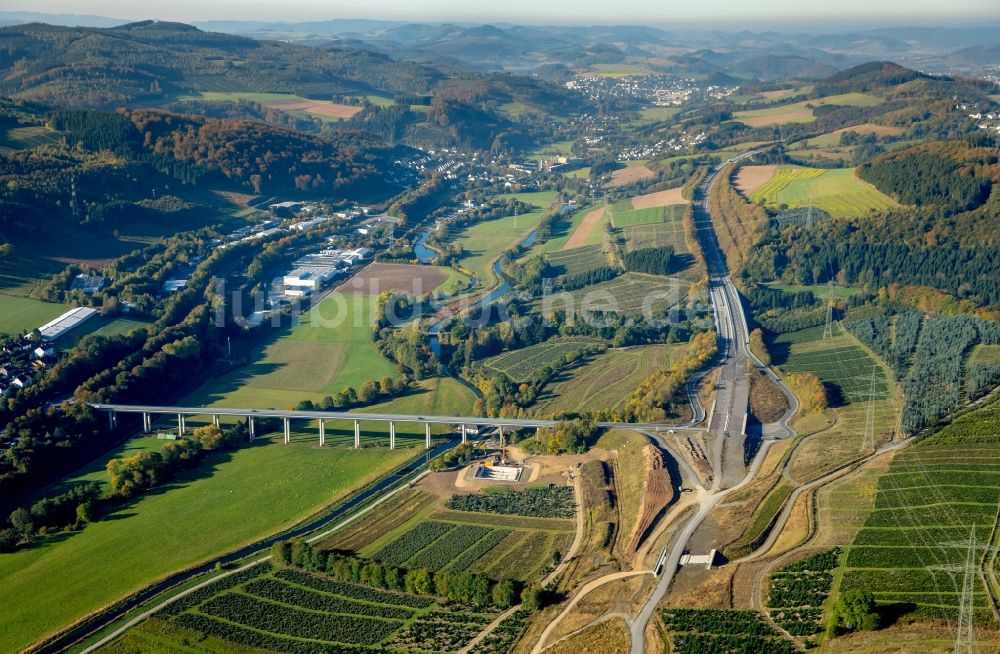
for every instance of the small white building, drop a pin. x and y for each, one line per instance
(707, 560)
(174, 285)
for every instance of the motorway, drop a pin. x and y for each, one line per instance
(732, 392)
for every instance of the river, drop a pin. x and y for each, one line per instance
(435, 329)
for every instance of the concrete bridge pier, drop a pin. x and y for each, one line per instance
(180, 425)
(465, 435)
(112, 420)
(322, 432)
(215, 420)
(147, 423)
(251, 427)
(392, 435)
(427, 435)
(357, 435)
(288, 431)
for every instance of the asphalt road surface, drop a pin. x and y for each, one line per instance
(732, 393)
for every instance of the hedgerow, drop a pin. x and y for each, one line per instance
(353, 591)
(197, 597)
(444, 550)
(272, 589)
(404, 547)
(243, 636)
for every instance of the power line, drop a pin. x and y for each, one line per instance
(869, 441)
(964, 643)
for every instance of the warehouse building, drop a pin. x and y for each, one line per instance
(70, 320)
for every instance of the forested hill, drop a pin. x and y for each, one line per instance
(957, 174)
(123, 161)
(868, 77)
(150, 62)
(947, 237)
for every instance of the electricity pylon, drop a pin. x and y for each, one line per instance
(964, 639)
(869, 441)
(809, 215)
(828, 328)
(72, 195)
(964, 642)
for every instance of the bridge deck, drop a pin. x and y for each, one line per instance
(369, 417)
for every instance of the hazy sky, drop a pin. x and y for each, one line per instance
(650, 12)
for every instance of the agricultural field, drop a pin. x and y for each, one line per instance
(822, 291)
(985, 355)
(589, 230)
(329, 350)
(634, 217)
(797, 592)
(695, 631)
(750, 178)
(524, 555)
(670, 231)
(843, 365)
(322, 109)
(630, 293)
(802, 112)
(926, 505)
(411, 279)
(420, 530)
(519, 365)
(21, 314)
(621, 69)
(514, 109)
(287, 610)
(443, 396)
(578, 260)
(100, 326)
(441, 546)
(552, 150)
(25, 138)
(845, 368)
(660, 199)
(231, 499)
(634, 171)
(484, 242)
(832, 139)
(640, 237)
(537, 199)
(651, 115)
(605, 637)
(562, 231)
(606, 380)
(578, 173)
(839, 192)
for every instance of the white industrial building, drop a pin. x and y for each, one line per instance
(311, 278)
(72, 319)
(309, 224)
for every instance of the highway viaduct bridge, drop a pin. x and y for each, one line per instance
(321, 417)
